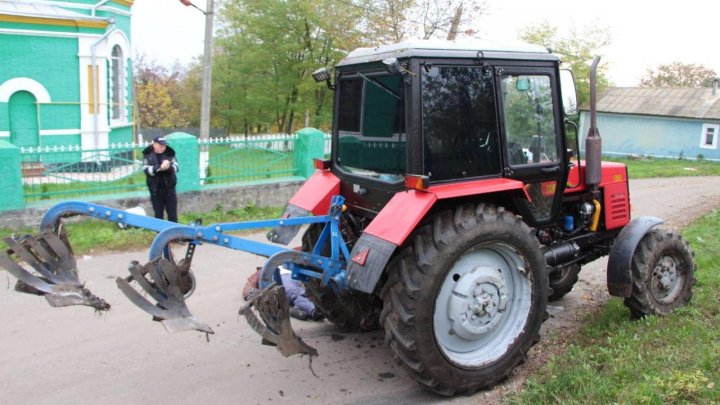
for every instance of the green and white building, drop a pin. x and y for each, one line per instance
(66, 73)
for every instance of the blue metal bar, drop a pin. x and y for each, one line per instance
(58, 211)
(333, 267)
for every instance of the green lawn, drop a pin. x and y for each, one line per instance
(656, 360)
(652, 167)
(96, 236)
(229, 164)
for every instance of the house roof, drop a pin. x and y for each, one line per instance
(669, 102)
(28, 8)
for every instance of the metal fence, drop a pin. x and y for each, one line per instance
(237, 158)
(62, 172)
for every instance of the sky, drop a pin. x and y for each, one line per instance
(644, 33)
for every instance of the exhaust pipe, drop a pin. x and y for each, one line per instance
(593, 142)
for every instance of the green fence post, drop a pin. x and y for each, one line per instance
(310, 144)
(11, 186)
(187, 153)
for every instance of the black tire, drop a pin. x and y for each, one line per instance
(663, 273)
(351, 311)
(472, 251)
(562, 281)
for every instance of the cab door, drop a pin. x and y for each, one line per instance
(533, 139)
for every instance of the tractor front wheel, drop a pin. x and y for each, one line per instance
(562, 281)
(663, 274)
(465, 299)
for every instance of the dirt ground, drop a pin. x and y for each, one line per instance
(64, 355)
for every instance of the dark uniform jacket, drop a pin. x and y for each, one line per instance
(156, 178)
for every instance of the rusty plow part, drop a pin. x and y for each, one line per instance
(55, 276)
(274, 323)
(165, 286)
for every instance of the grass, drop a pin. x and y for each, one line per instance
(655, 360)
(640, 168)
(90, 236)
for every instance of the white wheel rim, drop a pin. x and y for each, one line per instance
(483, 305)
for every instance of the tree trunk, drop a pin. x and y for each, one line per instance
(455, 23)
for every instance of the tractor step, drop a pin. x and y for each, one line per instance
(274, 323)
(55, 276)
(167, 285)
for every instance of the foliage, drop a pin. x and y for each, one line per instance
(265, 53)
(671, 359)
(166, 98)
(678, 74)
(577, 49)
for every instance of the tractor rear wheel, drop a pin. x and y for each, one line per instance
(663, 274)
(465, 299)
(349, 310)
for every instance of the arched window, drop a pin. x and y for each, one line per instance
(117, 81)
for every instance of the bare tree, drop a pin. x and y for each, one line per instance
(397, 20)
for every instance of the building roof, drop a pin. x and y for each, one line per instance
(698, 103)
(448, 49)
(28, 8)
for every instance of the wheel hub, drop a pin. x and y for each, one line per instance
(666, 277)
(479, 299)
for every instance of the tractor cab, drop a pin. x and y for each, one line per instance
(452, 113)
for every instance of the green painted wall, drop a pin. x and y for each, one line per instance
(4, 117)
(53, 62)
(59, 116)
(60, 140)
(11, 196)
(120, 135)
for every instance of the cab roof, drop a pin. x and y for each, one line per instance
(485, 49)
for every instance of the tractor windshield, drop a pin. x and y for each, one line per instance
(371, 125)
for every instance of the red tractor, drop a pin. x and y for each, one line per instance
(466, 211)
(451, 210)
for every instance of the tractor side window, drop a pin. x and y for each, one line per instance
(529, 119)
(460, 130)
(371, 126)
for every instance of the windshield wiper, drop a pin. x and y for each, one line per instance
(380, 85)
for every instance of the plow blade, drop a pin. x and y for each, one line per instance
(166, 287)
(274, 323)
(55, 276)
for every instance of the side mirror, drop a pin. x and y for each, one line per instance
(568, 92)
(323, 75)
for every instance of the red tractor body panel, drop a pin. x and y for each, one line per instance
(401, 215)
(614, 183)
(406, 209)
(315, 194)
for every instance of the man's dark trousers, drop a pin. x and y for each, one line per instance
(164, 200)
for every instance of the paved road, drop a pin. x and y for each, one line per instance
(65, 355)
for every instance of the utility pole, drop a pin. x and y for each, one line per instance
(206, 87)
(207, 83)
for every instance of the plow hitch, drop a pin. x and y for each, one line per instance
(274, 323)
(55, 276)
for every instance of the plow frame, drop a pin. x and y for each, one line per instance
(304, 265)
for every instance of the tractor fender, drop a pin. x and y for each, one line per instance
(619, 277)
(386, 232)
(314, 197)
(399, 218)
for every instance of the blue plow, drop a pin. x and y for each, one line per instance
(162, 286)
